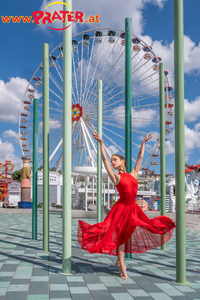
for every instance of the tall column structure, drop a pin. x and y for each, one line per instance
(35, 166)
(179, 142)
(67, 134)
(162, 146)
(99, 161)
(128, 98)
(45, 147)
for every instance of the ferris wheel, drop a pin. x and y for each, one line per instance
(97, 54)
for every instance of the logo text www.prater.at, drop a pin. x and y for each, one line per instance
(17, 19)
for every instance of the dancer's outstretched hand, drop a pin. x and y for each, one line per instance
(148, 137)
(97, 137)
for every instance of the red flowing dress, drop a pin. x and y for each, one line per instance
(125, 223)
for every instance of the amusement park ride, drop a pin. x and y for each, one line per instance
(97, 54)
(192, 168)
(4, 180)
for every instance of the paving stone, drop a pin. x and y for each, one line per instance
(60, 295)
(101, 295)
(149, 273)
(16, 296)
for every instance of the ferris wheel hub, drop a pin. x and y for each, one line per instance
(77, 112)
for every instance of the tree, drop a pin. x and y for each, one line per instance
(17, 175)
(40, 168)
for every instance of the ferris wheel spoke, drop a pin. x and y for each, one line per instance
(55, 82)
(114, 66)
(140, 59)
(56, 149)
(133, 130)
(55, 143)
(54, 136)
(88, 69)
(140, 107)
(147, 106)
(143, 73)
(87, 144)
(139, 82)
(134, 119)
(119, 147)
(104, 65)
(150, 156)
(55, 94)
(81, 152)
(93, 75)
(76, 146)
(75, 79)
(59, 162)
(90, 139)
(56, 66)
(138, 146)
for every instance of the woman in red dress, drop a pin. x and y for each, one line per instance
(126, 227)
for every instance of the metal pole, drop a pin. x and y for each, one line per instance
(179, 142)
(128, 90)
(108, 192)
(99, 162)
(86, 192)
(45, 147)
(67, 125)
(162, 146)
(35, 166)
(92, 191)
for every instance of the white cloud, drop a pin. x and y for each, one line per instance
(11, 135)
(53, 124)
(132, 9)
(113, 149)
(140, 119)
(166, 52)
(7, 153)
(11, 95)
(197, 127)
(192, 141)
(191, 109)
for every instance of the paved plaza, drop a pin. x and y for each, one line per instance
(28, 273)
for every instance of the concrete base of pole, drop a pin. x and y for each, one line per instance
(68, 274)
(185, 283)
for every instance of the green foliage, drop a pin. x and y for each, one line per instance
(17, 175)
(40, 168)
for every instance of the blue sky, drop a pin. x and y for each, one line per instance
(21, 53)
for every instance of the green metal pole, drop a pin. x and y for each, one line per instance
(179, 142)
(35, 166)
(128, 98)
(45, 147)
(162, 146)
(67, 127)
(99, 161)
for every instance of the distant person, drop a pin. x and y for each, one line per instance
(126, 227)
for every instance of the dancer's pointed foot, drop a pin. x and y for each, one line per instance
(123, 273)
(117, 264)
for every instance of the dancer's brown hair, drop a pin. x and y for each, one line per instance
(121, 157)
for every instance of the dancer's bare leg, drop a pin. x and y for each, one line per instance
(117, 264)
(122, 271)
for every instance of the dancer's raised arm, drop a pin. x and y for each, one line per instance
(136, 169)
(113, 176)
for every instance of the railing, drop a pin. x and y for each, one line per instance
(192, 207)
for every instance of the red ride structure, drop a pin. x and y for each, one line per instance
(4, 180)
